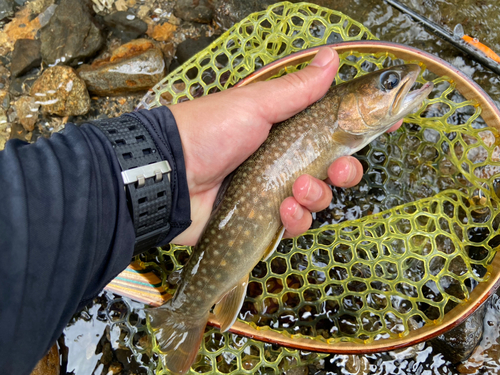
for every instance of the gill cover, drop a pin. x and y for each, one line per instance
(376, 100)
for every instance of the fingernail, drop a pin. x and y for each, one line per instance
(299, 212)
(323, 57)
(352, 171)
(313, 192)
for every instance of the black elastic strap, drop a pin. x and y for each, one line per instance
(146, 177)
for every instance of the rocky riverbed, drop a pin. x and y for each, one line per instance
(75, 60)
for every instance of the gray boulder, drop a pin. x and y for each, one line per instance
(26, 56)
(135, 66)
(125, 25)
(228, 12)
(71, 35)
(194, 10)
(457, 345)
(6, 9)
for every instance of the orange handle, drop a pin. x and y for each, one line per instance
(480, 46)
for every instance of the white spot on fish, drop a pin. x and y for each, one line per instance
(223, 223)
(195, 268)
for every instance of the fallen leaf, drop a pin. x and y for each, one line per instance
(162, 32)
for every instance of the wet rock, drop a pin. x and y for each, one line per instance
(102, 5)
(4, 77)
(458, 344)
(27, 112)
(25, 57)
(190, 47)
(143, 11)
(168, 49)
(407, 353)
(302, 370)
(474, 363)
(71, 34)
(6, 9)
(39, 6)
(194, 10)
(22, 85)
(411, 351)
(61, 92)
(46, 15)
(115, 368)
(4, 99)
(125, 25)
(48, 365)
(135, 66)
(121, 5)
(162, 32)
(16, 86)
(357, 365)
(486, 356)
(228, 12)
(4, 129)
(23, 26)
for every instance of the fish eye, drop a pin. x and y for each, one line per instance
(389, 80)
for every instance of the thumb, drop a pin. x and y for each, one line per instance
(281, 98)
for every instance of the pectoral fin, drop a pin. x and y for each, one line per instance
(229, 306)
(274, 243)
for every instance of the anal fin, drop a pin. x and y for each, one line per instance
(229, 306)
(274, 243)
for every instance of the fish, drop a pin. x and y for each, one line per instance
(245, 227)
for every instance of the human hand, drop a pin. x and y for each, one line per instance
(220, 131)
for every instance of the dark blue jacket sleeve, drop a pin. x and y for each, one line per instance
(65, 230)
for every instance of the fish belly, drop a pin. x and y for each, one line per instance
(247, 219)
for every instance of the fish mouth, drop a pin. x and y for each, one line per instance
(406, 100)
(417, 96)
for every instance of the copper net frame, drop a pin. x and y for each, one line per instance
(457, 315)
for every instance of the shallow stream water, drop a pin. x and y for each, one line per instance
(479, 18)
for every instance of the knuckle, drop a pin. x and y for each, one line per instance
(297, 81)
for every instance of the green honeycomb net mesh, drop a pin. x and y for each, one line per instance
(220, 353)
(394, 253)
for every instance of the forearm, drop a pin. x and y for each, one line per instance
(66, 230)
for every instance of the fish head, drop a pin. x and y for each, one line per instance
(371, 104)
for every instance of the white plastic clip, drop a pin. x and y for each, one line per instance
(140, 174)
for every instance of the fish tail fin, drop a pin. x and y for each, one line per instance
(178, 335)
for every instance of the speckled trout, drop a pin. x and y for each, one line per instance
(246, 225)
